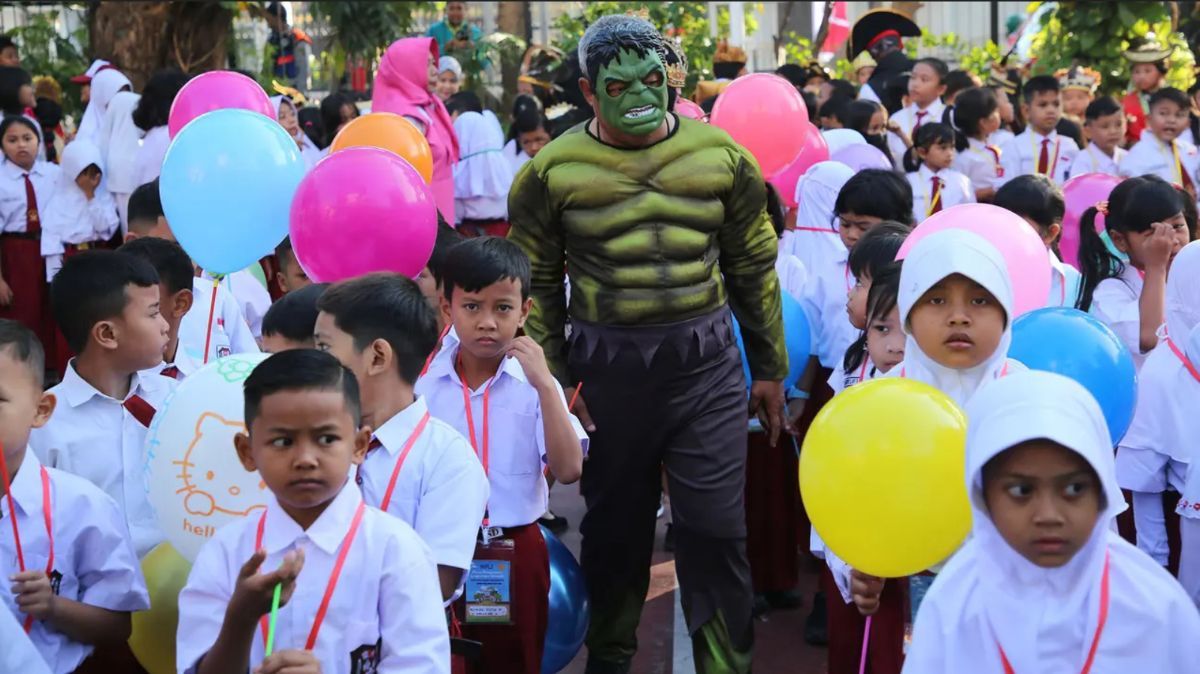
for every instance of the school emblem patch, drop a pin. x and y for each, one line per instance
(365, 659)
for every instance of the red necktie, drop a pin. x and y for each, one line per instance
(916, 126)
(1043, 165)
(32, 223)
(171, 371)
(139, 409)
(1183, 173)
(935, 195)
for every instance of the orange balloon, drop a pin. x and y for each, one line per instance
(390, 132)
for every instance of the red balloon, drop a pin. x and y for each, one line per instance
(815, 151)
(757, 110)
(1080, 193)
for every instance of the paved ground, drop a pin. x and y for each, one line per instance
(662, 637)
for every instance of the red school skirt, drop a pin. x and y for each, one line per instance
(24, 271)
(885, 653)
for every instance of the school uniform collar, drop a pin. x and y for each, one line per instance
(976, 144)
(1056, 265)
(929, 111)
(27, 485)
(281, 531)
(443, 365)
(14, 172)
(76, 391)
(1052, 136)
(395, 431)
(926, 173)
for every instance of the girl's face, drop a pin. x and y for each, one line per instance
(287, 119)
(20, 145)
(856, 302)
(1075, 102)
(1007, 112)
(991, 124)
(447, 85)
(957, 323)
(938, 156)
(885, 340)
(1132, 243)
(1044, 499)
(532, 142)
(925, 86)
(878, 123)
(1146, 76)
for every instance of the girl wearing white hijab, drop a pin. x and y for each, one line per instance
(1045, 585)
(105, 85)
(285, 112)
(482, 176)
(82, 212)
(1189, 506)
(119, 142)
(1153, 456)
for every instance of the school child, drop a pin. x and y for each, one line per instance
(449, 77)
(528, 134)
(229, 332)
(82, 215)
(1039, 149)
(285, 112)
(359, 588)
(174, 269)
(976, 116)
(1160, 152)
(73, 574)
(290, 322)
(1144, 219)
(958, 81)
(431, 276)
(1040, 203)
(870, 119)
(1006, 84)
(107, 306)
(496, 390)
(935, 186)
(26, 189)
(815, 234)
(482, 176)
(1188, 507)
(870, 256)
(1147, 70)
(1044, 584)
(1079, 85)
(289, 275)
(925, 88)
(1104, 123)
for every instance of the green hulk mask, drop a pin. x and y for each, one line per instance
(631, 92)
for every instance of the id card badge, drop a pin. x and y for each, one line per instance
(488, 596)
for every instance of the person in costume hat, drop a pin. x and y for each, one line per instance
(729, 63)
(1079, 85)
(864, 67)
(1148, 58)
(1006, 82)
(881, 33)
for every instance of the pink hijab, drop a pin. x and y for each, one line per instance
(401, 87)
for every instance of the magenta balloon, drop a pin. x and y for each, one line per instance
(1024, 252)
(216, 90)
(686, 108)
(859, 157)
(362, 210)
(815, 150)
(1081, 193)
(755, 110)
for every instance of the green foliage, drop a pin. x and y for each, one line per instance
(45, 52)
(363, 29)
(1095, 33)
(800, 50)
(973, 58)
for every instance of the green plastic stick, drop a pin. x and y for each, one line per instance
(274, 614)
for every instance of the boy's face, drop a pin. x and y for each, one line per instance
(856, 302)
(1043, 111)
(957, 323)
(532, 142)
(1107, 131)
(303, 443)
(487, 320)
(1044, 499)
(885, 341)
(23, 405)
(852, 227)
(1146, 76)
(925, 86)
(1075, 102)
(138, 336)
(291, 274)
(1167, 120)
(10, 57)
(274, 343)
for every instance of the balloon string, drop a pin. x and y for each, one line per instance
(574, 397)
(12, 512)
(212, 308)
(271, 626)
(862, 663)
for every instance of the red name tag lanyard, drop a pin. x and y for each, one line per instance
(1183, 359)
(333, 575)
(408, 445)
(481, 448)
(47, 514)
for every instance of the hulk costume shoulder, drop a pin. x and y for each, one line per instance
(649, 236)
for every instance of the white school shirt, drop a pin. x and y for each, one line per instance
(1064, 282)
(387, 596)
(955, 189)
(1000, 137)
(150, 154)
(441, 490)
(18, 654)
(1152, 156)
(979, 164)
(1115, 303)
(793, 276)
(251, 295)
(186, 365)
(1093, 160)
(309, 152)
(44, 177)
(907, 119)
(95, 437)
(1020, 155)
(230, 333)
(516, 435)
(515, 155)
(94, 562)
(825, 296)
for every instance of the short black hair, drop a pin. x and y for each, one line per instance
(810, 103)
(447, 238)
(10, 119)
(885, 288)
(877, 248)
(12, 79)
(294, 315)
(1170, 94)
(610, 35)
(154, 107)
(879, 193)
(1039, 84)
(284, 248)
(19, 342)
(6, 42)
(464, 101)
(1101, 107)
(956, 81)
(477, 263)
(145, 204)
(834, 107)
(928, 135)
(1190, 213)
(939, 66)
(388, 307)
(1032, 196)
(794, 73)
(91, 287)
(173, 265)
(300, 370)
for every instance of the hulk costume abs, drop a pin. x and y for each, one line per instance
(660, 223)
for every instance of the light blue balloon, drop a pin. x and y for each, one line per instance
(796, 335)
(226, 187)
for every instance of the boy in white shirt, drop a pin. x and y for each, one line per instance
(174, 269)
(107, 306)
(74, 577)
(359, 590)
(420, 469)
(925, 88)
(1104, 122)
(1160, 151)
(1039, 149)
(496, 389)
(290, 321)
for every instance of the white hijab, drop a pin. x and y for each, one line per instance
(954, 251)
(119, 140)
(816, 193)
(308, 149)
(68, 217)
(989, 595)
(482, 170)
(105, 86)
(1191, 490)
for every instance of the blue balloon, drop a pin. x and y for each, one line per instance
(226, 187)
(569, 608)
(1076, 345)
(796, 336)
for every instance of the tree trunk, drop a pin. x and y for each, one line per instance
(512, 18)
(142, 37)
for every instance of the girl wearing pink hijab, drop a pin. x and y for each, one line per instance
(404, 85)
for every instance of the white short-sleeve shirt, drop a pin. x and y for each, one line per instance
(980, 163)
(1020, 156)
(441, 490)
(230, 332)
(44, 177)
(251, 296)
(1093, 160)
(387, 602)
(907, 118)
(94, 562)
(1152, 156)
(18, 654)
(955, 189)
(1115, 303)
(825, 297)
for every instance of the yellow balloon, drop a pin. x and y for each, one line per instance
(882, 476)
(153, 638)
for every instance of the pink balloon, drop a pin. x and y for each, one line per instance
(1024, 252)
(686, 108)
(1081, 193)
(815, 150)
(359, 211)
(757, 110)
(859, 157)
(216, 90)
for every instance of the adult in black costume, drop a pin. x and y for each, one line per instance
(881, 32)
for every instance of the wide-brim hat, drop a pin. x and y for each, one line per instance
(1148, 50)
(876, 22)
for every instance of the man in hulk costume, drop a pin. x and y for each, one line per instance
(660, 224)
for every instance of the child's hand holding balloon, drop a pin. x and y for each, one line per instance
(865, 590)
